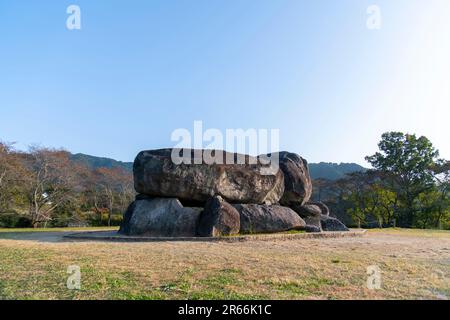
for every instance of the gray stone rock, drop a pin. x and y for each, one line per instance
(297, 181)
(332, 224)
(143, 197)
(155, 174)
(268, 219)
(323, 207)
(312, 229)
(219, 218)
(311, 214)
(160, 217)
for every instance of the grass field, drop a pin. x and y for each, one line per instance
(415, 264)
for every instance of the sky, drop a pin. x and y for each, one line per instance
(138, 70)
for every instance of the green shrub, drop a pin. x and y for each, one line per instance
(95, 221)
(14, 220)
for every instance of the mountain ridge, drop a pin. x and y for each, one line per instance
(333, 171)
(321, 170)
(94, 162)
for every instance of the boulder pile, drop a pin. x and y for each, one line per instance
(204, 198)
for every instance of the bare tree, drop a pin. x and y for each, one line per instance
(116, 185)
(50, 184)
(11, 173)
(5, 168)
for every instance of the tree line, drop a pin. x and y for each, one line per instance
(407, 187)
(43, 187)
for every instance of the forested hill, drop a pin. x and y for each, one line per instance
(325, 170)
(333, 171)
(99, 162)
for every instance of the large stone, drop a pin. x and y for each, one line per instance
(323, 207)
(332, 224)
(297, 181)
(312, 229)
(311, 214)
(160, 217)
(219, 218)
(155, 174)
(268, 219)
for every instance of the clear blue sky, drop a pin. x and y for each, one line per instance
(137, 70)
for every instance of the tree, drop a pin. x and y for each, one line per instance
(384, 203)
(355, 192)
(6, 171)
(47, 187)
(50, 184)
(114, 185)
(437, 198)
(366, 198)
(320, 186)
(407, 163)
(11, 173)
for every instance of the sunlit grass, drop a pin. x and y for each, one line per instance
(412, 232)
(414, 265)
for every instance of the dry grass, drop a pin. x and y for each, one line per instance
(414, 264)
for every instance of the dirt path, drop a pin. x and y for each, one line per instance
(35, 236)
